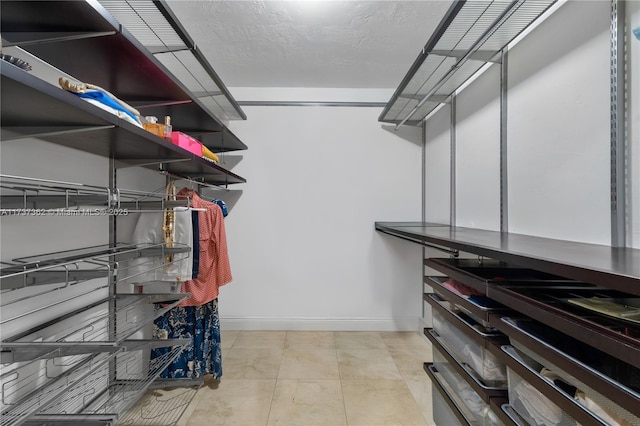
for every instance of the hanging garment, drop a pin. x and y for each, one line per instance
(214, 268)
(195, 245)
(203, 355)
(149, 230)
(222, 205)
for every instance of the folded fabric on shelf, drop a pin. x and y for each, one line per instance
(113, 111)
(537, 406)
(102, 97)
(461, 289)
(609, 308)
(78, 88)
(485, 364)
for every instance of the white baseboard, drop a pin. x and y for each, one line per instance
(321, 324)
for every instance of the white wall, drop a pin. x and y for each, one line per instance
(558, 134)
(559, 126)
(304, 252)
(478, 153)
(438, 167)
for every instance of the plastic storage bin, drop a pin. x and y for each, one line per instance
(442, 414)
(595, 402)
(533, 406)
(491, 370)
(480, 410)
(185, 141)
(530, 404)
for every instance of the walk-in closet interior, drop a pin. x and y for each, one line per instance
(320, 212)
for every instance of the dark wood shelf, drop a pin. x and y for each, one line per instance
(33, 107)
(82, 39)
(605, 266)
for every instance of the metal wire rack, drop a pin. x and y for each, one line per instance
(26, 196)
(90, 333)
(160, 407)
(77, 388)
(470, 35)
(72, 266)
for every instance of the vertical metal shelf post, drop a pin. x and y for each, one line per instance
(504, 161)
(452, 162)
(618, 125)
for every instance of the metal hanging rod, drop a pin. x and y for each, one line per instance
(454, 253)
(191, 180)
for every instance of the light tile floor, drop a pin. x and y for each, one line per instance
(317, 378)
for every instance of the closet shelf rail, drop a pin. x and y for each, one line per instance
(470, 35)
(30, 196)
(73, 266)
(89, 334)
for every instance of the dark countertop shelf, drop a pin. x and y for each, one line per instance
(33, 107)
(611, 267)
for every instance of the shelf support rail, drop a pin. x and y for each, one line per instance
(474, 47)
(16, 132)
(618, 142)
(60, 37)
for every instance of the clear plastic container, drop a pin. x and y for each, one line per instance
(533, 406)
(598, 404)
(442, 414)
(492, 371)
(480, 410)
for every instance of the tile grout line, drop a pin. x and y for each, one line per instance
(344, 404)
(277, 378)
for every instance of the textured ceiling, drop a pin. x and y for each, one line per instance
(338, 44)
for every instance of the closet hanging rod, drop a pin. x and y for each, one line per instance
(191, 180)
(454, 253)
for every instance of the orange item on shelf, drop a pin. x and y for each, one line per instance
(155, 128)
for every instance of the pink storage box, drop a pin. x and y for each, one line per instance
(187, 142)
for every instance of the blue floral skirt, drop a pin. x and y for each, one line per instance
(203, 355)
